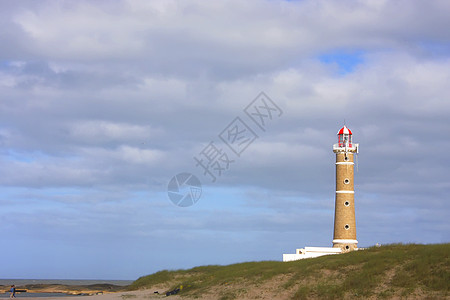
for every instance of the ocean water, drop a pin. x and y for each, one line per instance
(21, 282)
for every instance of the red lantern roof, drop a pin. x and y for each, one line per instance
(344, 130)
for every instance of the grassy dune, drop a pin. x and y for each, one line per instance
(393, 271)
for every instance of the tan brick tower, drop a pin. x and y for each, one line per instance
(344, 213)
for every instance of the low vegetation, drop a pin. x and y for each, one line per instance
(392, 271)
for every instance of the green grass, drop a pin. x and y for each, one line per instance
(382, 272)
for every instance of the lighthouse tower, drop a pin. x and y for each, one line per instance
(344, 211)
(344, 239)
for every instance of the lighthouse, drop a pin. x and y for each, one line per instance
(344, 238)
(344, 211)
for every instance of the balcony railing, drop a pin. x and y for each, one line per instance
(352, 148)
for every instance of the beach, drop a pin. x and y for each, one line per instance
(60, 288)
(142, 294)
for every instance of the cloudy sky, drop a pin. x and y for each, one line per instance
(103, 102)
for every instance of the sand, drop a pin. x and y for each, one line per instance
(142, 294)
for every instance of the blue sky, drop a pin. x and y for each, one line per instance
(101, 103)
(346, 61)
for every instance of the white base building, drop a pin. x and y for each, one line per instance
(310, 252)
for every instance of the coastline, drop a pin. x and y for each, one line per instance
(21, 282)
(139, 294)
(64, 289)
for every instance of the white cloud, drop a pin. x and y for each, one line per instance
(99, 132)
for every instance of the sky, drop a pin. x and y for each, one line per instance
(102, 103)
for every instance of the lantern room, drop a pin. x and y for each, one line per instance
(345, 137)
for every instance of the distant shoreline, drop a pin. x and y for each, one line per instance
(18, 282)
(65, 287)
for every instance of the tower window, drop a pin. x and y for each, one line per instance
(346, 158)
(347, 247)
(347, 227)
(346, 181)
(346, 203)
